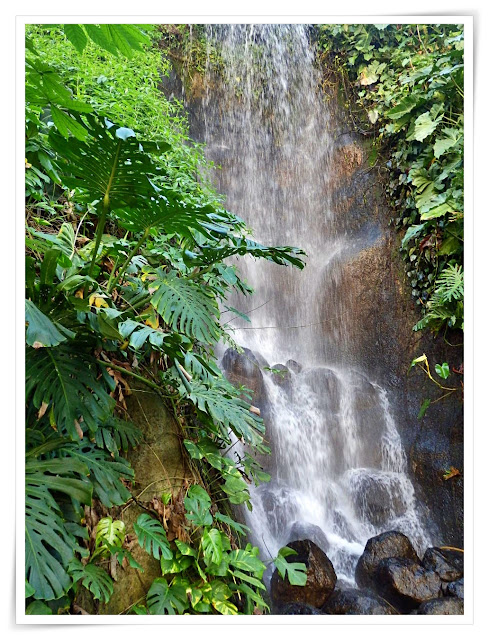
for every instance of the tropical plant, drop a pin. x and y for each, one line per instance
(403, 87)
(124, 280)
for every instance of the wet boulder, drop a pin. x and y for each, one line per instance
(357, 602)
(244, 369)
(391, 544)
(441, 607)
(299, 609)
(281, 376)
(293, 366)
(447, 563)
(455, 589)
(378, 495)
(406, 583)
(321, 578)
(309, 531)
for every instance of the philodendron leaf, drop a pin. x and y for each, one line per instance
(110, 532)
(163, 599)
(41, 331)
(443, 370)
(295, 571)
(424, 126)
(93, 578)
(152, 537)
(212, 546)
(197, 504)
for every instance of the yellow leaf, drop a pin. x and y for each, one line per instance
(97, 300)
(27, 164)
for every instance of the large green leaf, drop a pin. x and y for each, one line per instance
(186, 306)
(93, 578)
(295, 572)
(165, 600)
(106, 472)
(197, 504)
(41, 331)
(64, 378)
(212, 546)
(152, 537)
(49, 545)
(221, 402)
(110, 164)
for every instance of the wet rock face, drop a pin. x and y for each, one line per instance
(448, 564)
(244, 369)
(455, 589)
(351, 602)
(282, 376)
(293, 366)
(391, 544)
(308, 531)
(321, 578)
(441, 607)
(406, 584)
(378, 498)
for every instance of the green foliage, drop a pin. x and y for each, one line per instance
(294, 571)
(125, 242)
(411, 77)
(206, 575)
(152, 537)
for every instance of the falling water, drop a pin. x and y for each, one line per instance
(339, 469)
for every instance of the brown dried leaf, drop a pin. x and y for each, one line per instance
(451, 473)
(42, 410)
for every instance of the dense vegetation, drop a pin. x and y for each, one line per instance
(403, 86)
(125, 282)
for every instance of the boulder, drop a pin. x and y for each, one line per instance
(354, 602)
(447, 563)
(294, 366)
(442, 607)
(299, 609)
(321, 578)
(391, 544)
(282, 377)
(378, 496)
(243, 369)
(455, 589)
(309, 531)
(406, 583)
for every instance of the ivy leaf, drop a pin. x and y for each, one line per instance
(152, 537)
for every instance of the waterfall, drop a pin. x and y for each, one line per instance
(339, 468)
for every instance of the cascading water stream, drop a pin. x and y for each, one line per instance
(339, 469)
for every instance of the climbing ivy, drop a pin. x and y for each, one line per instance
(403, 87)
